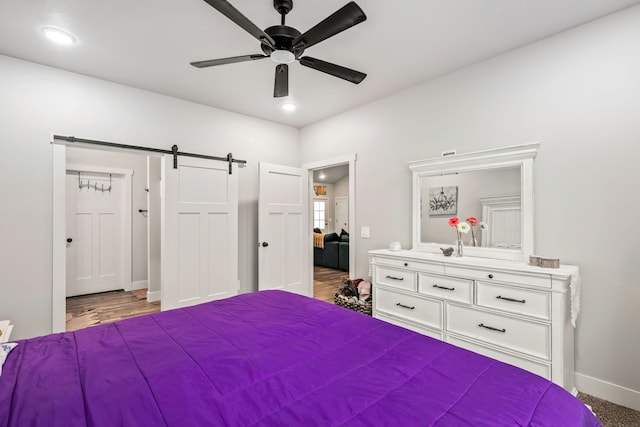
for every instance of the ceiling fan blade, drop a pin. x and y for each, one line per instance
(230, 60)
(343, 19)
(242, 21)
(348, 74)
(281, 87)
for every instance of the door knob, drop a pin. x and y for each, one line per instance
(265, 244)
(69, 240)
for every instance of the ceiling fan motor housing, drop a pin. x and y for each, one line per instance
(284, 36)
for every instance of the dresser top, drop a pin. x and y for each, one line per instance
(562, 273)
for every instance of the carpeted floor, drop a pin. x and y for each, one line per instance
(610, 414)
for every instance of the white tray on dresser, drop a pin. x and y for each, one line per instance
(507, 310)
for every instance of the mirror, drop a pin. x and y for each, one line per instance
(493, 186)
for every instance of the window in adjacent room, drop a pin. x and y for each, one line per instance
(319, 214)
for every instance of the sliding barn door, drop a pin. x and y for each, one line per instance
(200, 232)
(284, 232)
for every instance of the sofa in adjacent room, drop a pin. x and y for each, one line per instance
(334, 252)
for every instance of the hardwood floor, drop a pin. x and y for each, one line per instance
(107, 307)
(326, 282)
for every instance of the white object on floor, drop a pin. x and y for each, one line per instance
(5, 330)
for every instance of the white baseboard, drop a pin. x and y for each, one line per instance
(605, 390)
(140, 284)
(153, 296)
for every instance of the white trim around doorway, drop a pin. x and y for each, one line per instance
(349, 159)
(59, 279)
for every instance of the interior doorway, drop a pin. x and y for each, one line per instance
(332, 191)
(113, 230)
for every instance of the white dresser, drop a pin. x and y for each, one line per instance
(506, 310)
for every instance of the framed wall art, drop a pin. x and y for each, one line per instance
(443, 201)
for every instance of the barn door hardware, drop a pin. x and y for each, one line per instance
(174, 150)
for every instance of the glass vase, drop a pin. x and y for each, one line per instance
(459, 246)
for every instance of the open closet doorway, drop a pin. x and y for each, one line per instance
(113, 236)
(197, 265)
(332, 191)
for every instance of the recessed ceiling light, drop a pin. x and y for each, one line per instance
(58, 36)
(288, 106)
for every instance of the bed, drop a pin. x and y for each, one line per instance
(269, 358)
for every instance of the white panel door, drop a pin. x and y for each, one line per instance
(342, 214)
(199, 232)
(94, 234)
(284, 230)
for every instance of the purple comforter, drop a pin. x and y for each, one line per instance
(269, 358)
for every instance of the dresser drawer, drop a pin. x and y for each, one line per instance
(538, 368)
(410, 307)
(450, 288)
(540, 280)
(411, 326)
(514, 300)
(395, 277)
(409, 264)
(520, 335)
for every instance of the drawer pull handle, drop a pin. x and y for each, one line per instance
(444, 287)
(395, 278)
(492, 328)
(521, 301)
(405, 306)
(490, 276)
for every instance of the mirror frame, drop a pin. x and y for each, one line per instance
(515, 156)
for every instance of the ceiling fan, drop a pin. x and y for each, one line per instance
(284, 44)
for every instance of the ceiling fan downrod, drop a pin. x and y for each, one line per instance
(283, 7)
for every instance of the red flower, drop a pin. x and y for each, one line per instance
(472, 220)
(453, 221)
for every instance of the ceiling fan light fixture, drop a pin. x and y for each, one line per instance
(58, 36)
(282, 56)
(288, 106)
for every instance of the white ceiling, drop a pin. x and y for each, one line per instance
(331, 175)
(148, 44)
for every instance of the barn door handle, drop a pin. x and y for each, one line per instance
(69, 240)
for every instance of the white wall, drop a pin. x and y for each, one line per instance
(341, 188)
(578, 94)
(137, 163)
(37, 100)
